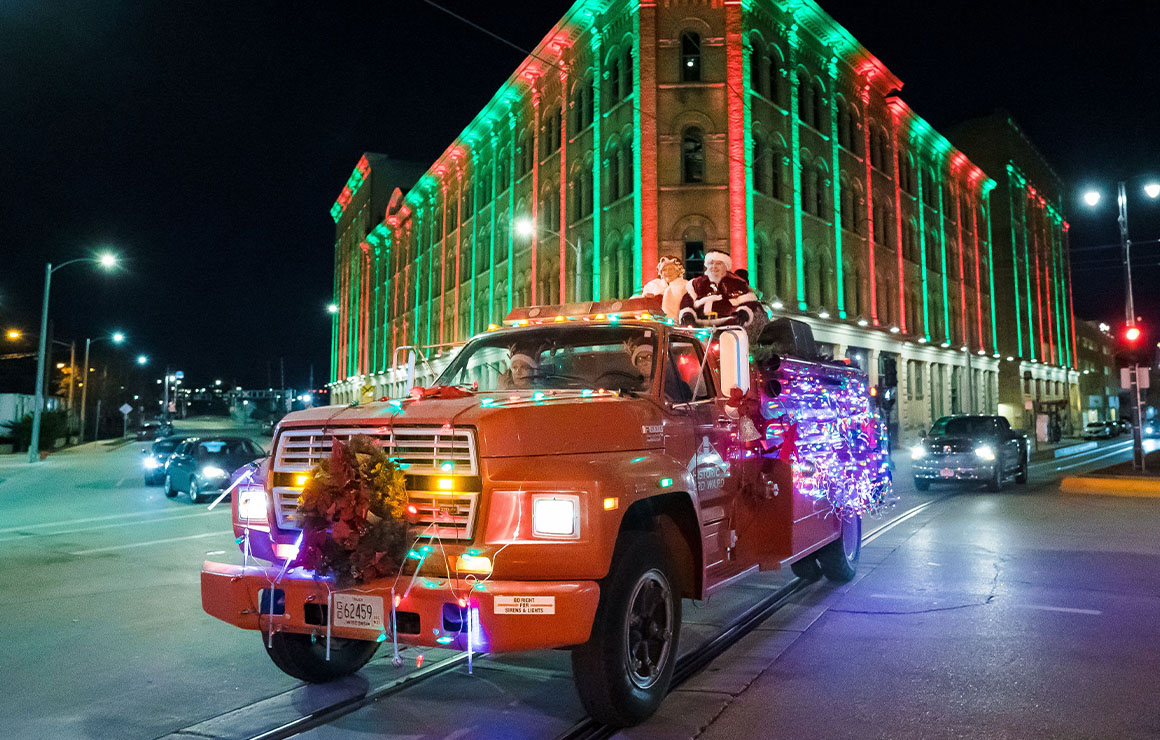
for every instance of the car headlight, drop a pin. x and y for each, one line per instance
(984, 452)
(252, 504)
(918, 452)
(556, 515)
(152, 463)
(213, 471)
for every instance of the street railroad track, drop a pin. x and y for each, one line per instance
(687, 666)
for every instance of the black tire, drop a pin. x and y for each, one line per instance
(615, 685)
(807, 568)
(1021, 476)
(304, 656)
(995, 482)
(167, 486)
(194, 491)
(921, 484)
(839, 559)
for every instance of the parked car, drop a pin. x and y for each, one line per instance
(1123, 426)
(971, 448)
(202, 466)
(157, 455)
(1100, 430)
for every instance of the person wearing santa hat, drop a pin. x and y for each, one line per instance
(719, 297)
(669, 283)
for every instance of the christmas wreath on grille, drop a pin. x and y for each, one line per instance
(354, 515)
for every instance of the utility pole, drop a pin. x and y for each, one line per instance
(1130, 317)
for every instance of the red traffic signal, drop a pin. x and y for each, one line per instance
(1133, 346)
(1132, 334)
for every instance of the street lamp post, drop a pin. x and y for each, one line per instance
(526, 227)
(1092, 197)
(107, 261)
(116, 338)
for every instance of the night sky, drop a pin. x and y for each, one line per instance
(206, 142)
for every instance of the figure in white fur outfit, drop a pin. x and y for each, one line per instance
(670, 284)
(718, 297)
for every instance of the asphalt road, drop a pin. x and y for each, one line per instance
(100, 605)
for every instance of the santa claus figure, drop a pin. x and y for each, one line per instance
(719, 297)
(669, 283)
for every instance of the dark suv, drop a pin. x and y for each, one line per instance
(971, 448)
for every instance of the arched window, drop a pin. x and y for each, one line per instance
(776, 80)
(843, 125)
(777, 185)
(612, 87)
(784, 266)
(820, 192)
(846, 202)
(805, 99)
(627, 176)
(812, 185)
(755, 64)
(626, 73)
(690, 57)
(613, 174)
(760, 166)
(692, 156)
(821, 115)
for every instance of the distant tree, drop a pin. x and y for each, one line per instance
(53, 426)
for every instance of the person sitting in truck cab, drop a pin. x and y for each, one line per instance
(522, 368)
(719, 297)
(642, 360)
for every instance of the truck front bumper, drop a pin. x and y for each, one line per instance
(432, 612)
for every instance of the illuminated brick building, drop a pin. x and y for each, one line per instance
(638, 129)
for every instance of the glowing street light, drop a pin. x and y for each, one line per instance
(1152, 189)
(1092, 197)
(332, 308)
(106, 260)
(14, 334)
(142, 360)
(525, 227)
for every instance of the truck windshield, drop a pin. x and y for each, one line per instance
(557, 357)
(964, 426)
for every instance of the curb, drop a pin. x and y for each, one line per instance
(1132, 487)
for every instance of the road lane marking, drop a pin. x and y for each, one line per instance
(1090, 460)
(883, 529)
(147, 544)
(77, 530)
(106, 518)
(1064, 609)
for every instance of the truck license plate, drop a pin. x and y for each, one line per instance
(358, 611)
(947, 473)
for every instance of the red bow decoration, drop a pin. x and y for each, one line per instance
(745, 403)
(439, 392)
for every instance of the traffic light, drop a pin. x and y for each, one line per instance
(1134, 345)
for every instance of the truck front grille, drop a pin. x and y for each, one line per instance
(420, 451)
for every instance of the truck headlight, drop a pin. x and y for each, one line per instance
(556, 515)
(984, 452)
(252, 504)
(918, 452)
(213, 471)
(152, 463)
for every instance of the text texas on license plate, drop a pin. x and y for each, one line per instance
(358, 611)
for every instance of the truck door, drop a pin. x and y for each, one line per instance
(698, 431)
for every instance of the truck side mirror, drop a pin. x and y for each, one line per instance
(734, 359)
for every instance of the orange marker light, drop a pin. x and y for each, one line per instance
(611, 503)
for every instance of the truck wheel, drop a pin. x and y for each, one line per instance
(623, 672)
(304, 656)
(1021, 476)
(170, 491)
(995, 483)
(839, 559)
(194, 491)
(807, 568)
(921, 484)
